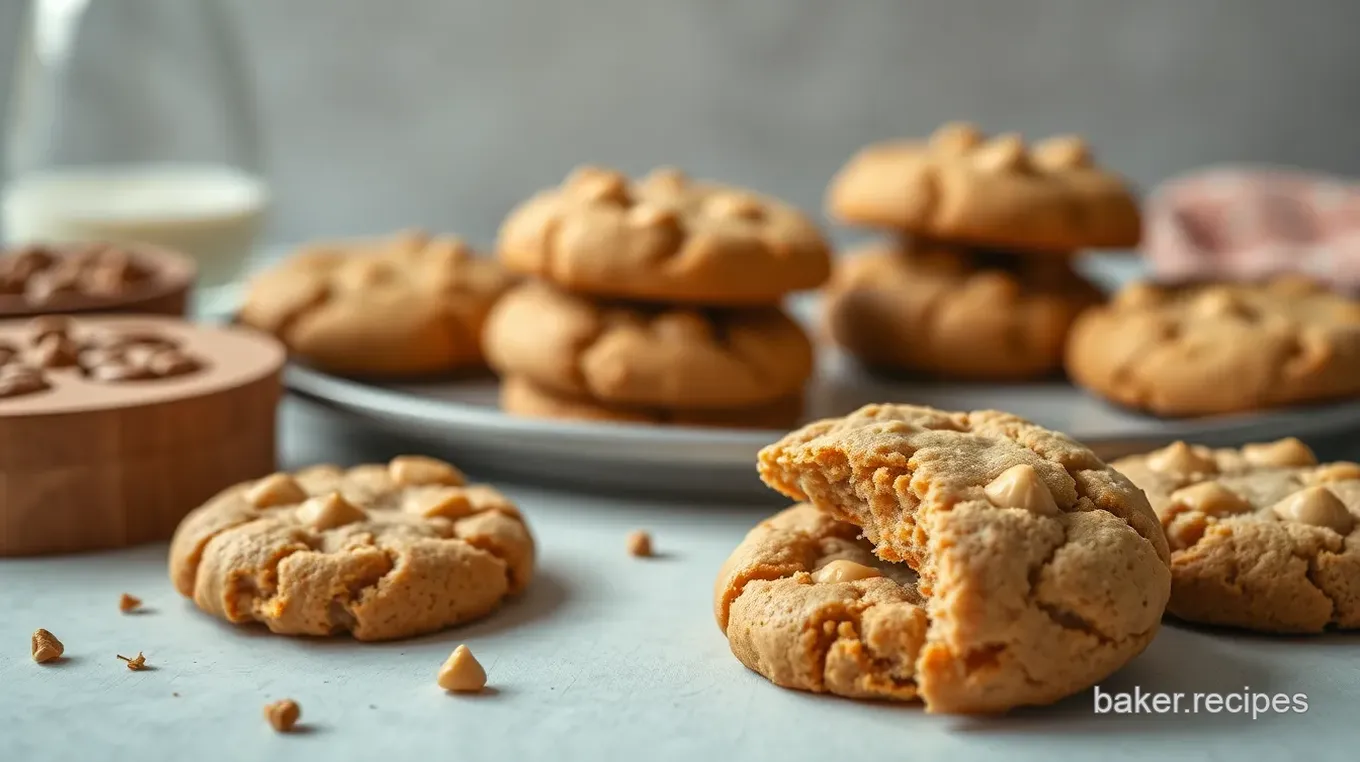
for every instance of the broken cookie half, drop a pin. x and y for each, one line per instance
(1002, 564)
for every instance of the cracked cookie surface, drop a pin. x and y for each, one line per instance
(960, 185)
(379, 551)
(664, 238)
(1209, 349)
(954, 312)
(401, 306)
(1263, 537)
(1042, 569)
(631, 355)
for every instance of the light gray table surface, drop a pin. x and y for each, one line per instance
(604, 657)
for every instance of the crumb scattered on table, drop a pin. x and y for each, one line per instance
(462, 673)
(135, 663)
(46, 647)
(640, 544)
(129, 603)
(283, 714)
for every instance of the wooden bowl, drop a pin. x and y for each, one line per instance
(162, 288)
(89, 462)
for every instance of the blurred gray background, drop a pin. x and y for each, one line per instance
(444, 113)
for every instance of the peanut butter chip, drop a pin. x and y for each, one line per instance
(1061, 152)
(275, 489)
(1337, 472)
(842, 570)
(462, 673)
(128, 603)
(652, 216)
(1020, 487)
(599, 185)
(1139, 295)
(1316, 506)
(1211, 498)
(283, 714)
(640, 544)
(1285, 452)
(956, 138)
(441, 502)
(1182, 459)
(1003, 153)
(410, 470)
(735, 206)
(46, 647)
(329, 511)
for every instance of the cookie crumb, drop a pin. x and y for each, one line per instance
(462, 673)
(129, 603)
(46, 647)
(176, 694)
(640, 544)
(283, 714)
(135, 663)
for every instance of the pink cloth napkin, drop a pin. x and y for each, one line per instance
(1247, 223)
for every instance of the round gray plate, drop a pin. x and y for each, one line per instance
(462, 417)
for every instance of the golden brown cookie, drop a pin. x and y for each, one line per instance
(805, 603)
(1207, 349)
(379, 551)
(627, 354)
(402, 306)
(962, 186)
(1043, 570)
(521, 397)
(1261, 537)
(956, 313)
(664, 238)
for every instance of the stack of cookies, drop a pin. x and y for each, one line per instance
(654, 301)
(980, 283)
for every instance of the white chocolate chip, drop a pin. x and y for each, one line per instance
(1061, 152)
(842, 570)
(462, 673)
(955, 138)
(275, 489)
(1182, 459)
(1211, 498)
(409, 470)
(1020, 487)
(1316, 506)
(1337, 472)
(1284, 452)
(1003, 153)
(329, 511)
(438, 502)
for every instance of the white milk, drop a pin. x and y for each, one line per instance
(208, 212)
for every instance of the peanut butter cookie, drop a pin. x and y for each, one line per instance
(664, 238)
(522, 397)
(1209, 349)
(956, 313)
(1042, 569)
(962, 186)
(1262, 537)
(404, 306)
(632, 355)
(806, 603)
(379, 551)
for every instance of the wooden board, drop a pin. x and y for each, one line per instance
(88, 464)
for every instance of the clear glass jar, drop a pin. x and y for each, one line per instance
(133, 121)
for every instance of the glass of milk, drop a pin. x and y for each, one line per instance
(133, 121)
